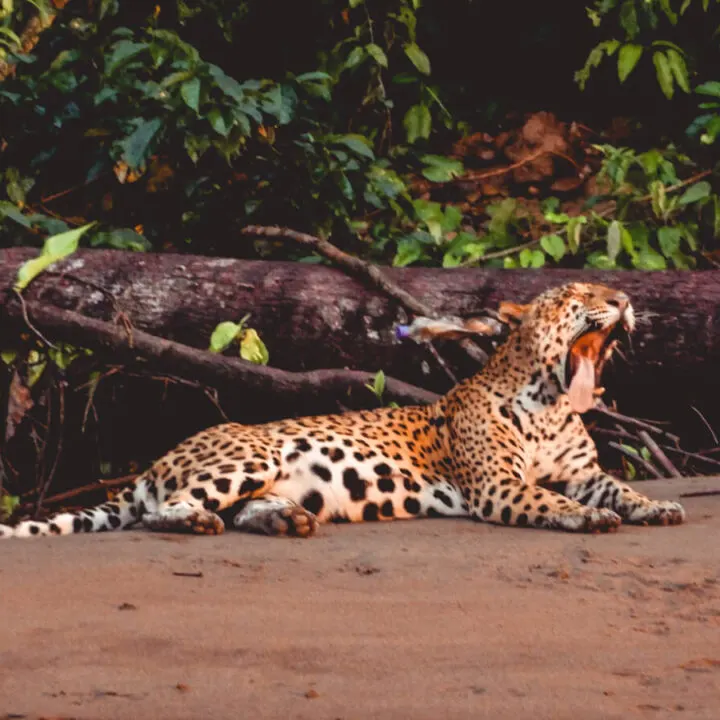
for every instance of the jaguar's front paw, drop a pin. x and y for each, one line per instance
(657, 513)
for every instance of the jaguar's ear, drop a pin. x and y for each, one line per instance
(512, 313)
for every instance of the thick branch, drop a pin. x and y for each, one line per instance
(158, 354)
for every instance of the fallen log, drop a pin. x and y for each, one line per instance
(312, 316)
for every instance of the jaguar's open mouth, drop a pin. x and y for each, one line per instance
(586, 360)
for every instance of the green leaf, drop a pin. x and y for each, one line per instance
(600, 261)
(679, 69)
(627, 60)
(628, 18)
(190, 92)
(649, 259)
(658, 197)
(698, 191)
(15, 42)
(313, 76)
(558, 218)
(409, 250)
(224, 335)
(451, 218)
(8, 356)
(135, 146)
(418, 58)
(439, 175)
(664, 74)
(709, 88)
(8, 503)
(574, 232)
(669, 13)
(65, 354)
(356, 56)
(377, 387)
(627, 241)
(359, 144)
(229, 86)
(650, 162)
(35, 367)
(55, 248)
(554, 246)
(121, 239)
(614, 238)
(418, 123)
(253, 349)
(346, 187)
(122, 52)
(386, 182)
(441, 169)
(377, 54)
(531, 258)
(712, 128)
(669, 240)
(217, 122)
(8, 209)
(432, 215)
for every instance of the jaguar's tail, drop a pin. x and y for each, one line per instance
(117, 514)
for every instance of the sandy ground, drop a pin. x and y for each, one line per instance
(422, 619)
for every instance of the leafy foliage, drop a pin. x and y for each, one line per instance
(141, 104)
(136, 116)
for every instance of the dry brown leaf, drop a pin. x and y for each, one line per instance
(19, 403)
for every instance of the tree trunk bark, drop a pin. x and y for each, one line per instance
(311, 316)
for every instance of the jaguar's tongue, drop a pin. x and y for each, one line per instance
(582, 385)
(584, 356)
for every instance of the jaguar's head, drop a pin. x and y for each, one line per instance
(571, 332)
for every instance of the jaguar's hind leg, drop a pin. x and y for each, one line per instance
(274, 515)
(184, 516)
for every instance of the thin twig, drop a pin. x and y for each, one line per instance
(678, 186)
(658, 454)
(23, 305)
(619, 417)
(502, 171)
(671, 188)
(58, 448)
(635, 457)
(617, 433)
(62, 193)
(97, 485)
(707, 424)
(691, 455)
(353, 264)
(209, 392)
(700, 493)
(441, 362)
(509, 251)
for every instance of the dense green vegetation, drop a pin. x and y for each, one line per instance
(172, 125)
